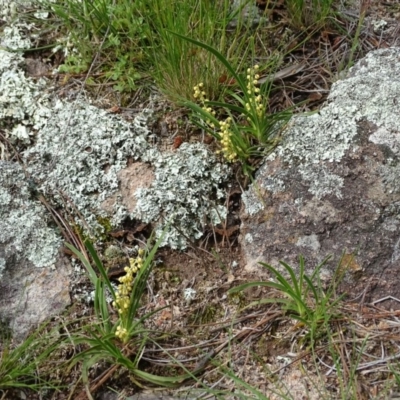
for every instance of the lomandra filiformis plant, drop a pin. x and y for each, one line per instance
(118, 342)
(241, 124)
(123, 295)
(229, 132)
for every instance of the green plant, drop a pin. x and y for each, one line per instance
(355, 42)
(248, 130)
(118, 341)
(24, 365)
(131, 39)
(177, 65)
(309, 14)
(112, 30)
(303, 300)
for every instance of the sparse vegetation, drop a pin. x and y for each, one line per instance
(133, 41)
(119, 342)
(304, 298)
(26, 365)
(311, 14)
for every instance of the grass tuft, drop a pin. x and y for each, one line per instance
(304, 297)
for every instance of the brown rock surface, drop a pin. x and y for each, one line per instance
(134, 176)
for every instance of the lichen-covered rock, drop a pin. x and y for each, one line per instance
(185, 194)
(333, 185)
(80, 151)
(24, 104)
(34, 278)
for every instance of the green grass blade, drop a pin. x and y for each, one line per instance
(92, 274)
(295, 283)
(100, 266)
(311, 286)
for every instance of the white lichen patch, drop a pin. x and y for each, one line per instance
(8, 9)
(23, 101)
(14, 36)
(315, 174)
(248, 238)
(390, 177)
(17, 33)
(389, 138)
(252, 202)
(2, 265)
(253, 199)
(23, 221)
(370, 92)
(79, 152)
(185, 194)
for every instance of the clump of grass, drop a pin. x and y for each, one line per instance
(179, 65)
(304, 298)
(132, 40)
(23, 366)
(112, 29)
(310, 14)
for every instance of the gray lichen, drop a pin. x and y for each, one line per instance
(321, 181)
(252, 201)
(310, 241)
(10, 9)
(79, 152)
(79, 149)
(185, 194)
(23, 101)
(24, 221)
(2, 265)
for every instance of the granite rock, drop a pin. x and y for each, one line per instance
(332, 187)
